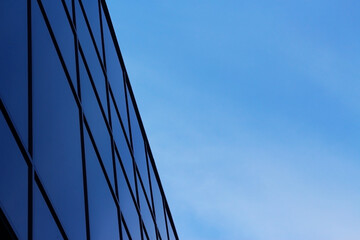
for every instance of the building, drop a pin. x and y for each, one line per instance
(75, 162)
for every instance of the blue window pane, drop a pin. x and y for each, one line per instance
(145, 235)
(96, 121)
(13, 63)
(125, 235)
(63, 33)
(122, 146)
(146, 214)
(170, 229)
(127, 205)
(13, 181)
(92, 12)
(158, 204)
(56, 129)
(102, 208)
(92, 59)
(115, 75)
(44, 227)
(69, 7)
(138, 146)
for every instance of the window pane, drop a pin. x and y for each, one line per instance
(102, 208)
(138, 146)
(90, 54)
(125, 235)
(13, 181)
(158, 204)
(96, 121)
(63, 33)
(57, 149)
(127, 205)
(171, 231)
(145, 235)
(115, 75)
(92, 13)
(122, 146)
(69, 7)
(146, 214)
(44, 227)
(13, 63)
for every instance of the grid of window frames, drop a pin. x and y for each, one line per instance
(75, 162)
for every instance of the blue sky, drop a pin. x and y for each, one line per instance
(252, 112)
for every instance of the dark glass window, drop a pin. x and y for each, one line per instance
(63, 33)
(102, 208)
(13, 63)
(122, 146)
(45, 227)
(92, 12)
(56, 129)
(127, 205)
(158, 204)
(96, 121)
(91, 56)
(146, 214)
(138, 146)
(13, 181)
(115, 75)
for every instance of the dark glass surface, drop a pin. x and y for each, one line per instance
(138, 146)
(122, 146)
(45, 227)
(64, 36)
(146, 214)
(96, 121)
(127, 206)
(158, 204)
(92, 12)
(102, 208)
(13, 181)
(115, 75)
(56, 132)
(92, 59)
(13, 63)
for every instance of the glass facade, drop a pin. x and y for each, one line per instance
(75, 162)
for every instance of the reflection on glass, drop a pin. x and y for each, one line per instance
(170, 229)
(96, 121)
(115, 75)
(102, 209)
(64, 36)
(13, 181)
(146, 214)
(127, 205)
(13, 63)
(125, 235)
(138, 146)
(122, 146)
(91, 56)
(92, 12)
(158, 204)
(56, 132)
(45, 227)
